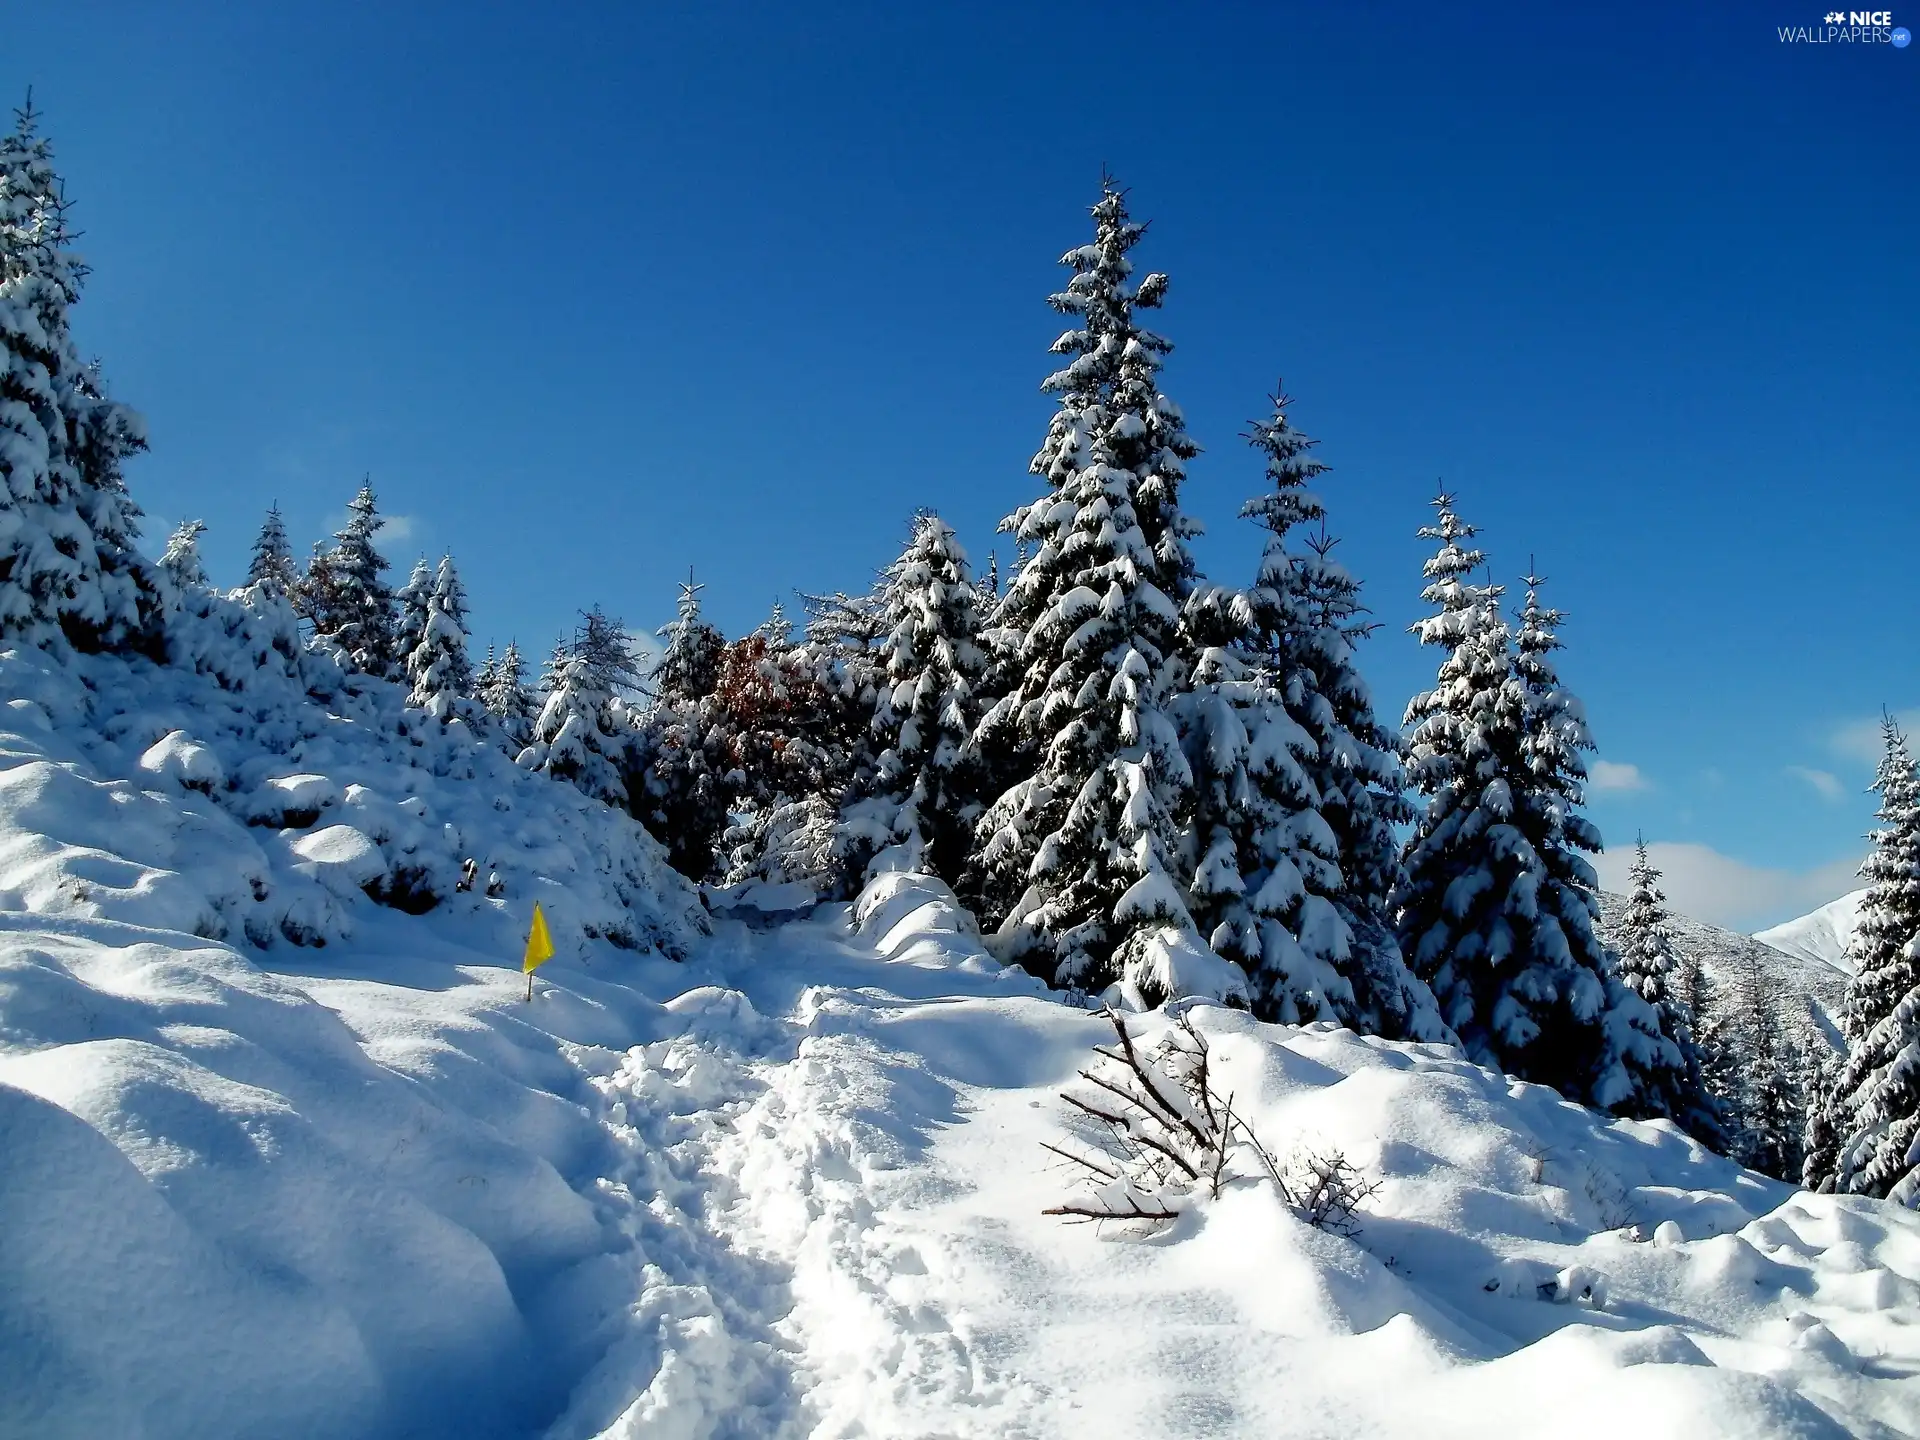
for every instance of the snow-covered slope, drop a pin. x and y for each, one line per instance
(1822, 934)
(787, 1184)
(1796, 982)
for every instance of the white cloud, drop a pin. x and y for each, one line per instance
(1827, 783)
(1703, 883)
(1860, 739)
(1609, 775)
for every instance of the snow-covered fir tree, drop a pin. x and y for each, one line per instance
(841, 648)
(1652, 970)
(272, 563)
(68, 529)
(1497, 908)
(1309, 783)
(410, 603)
(580, 735)
(181, 558)
(1640, 1052)
(925, 792)
(508, 700)
(1076, 862)
(688, 670)
(346, 597)
(1873, 1110)
(438, 669)
(683, 753)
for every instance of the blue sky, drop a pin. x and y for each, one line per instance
(598, 292)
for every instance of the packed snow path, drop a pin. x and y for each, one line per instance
(791, 1187)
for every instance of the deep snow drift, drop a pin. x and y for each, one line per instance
(756, 1182)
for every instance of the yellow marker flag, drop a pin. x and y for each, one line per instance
(539, 947)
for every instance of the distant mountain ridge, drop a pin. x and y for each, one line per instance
(1822, 935)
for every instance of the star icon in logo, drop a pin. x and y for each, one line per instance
(1835, 17)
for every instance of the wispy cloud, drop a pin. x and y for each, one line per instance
(1614, 776)
(1825, 782)
(1859, 740)
(1716, 888)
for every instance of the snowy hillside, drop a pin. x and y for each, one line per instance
(1822, 934)
(1793, 980)
(748, 1183)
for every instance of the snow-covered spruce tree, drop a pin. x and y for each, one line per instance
(181, 558)
(1496, 911)
(1650, 968)
(924, 792)
(1256, 858)
(410, 603)
(1640, 1052)
(1874, 1109)
(1076, 861)
(582, 734)
(841, 648)
(68, 529)
(1322, 774)
(437, 669)
(347, 599)
(688, 671)
(684, 799)
(272, 563)
(508, 700)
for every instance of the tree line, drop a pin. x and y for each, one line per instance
(1143, 782)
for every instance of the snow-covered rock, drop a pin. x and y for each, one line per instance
(178, 757)
(341, 858)
(294, 801)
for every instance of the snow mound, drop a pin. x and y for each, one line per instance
(1822, 934)
(270, 815)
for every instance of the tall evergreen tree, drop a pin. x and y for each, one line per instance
(68, 528)
(411, 602)
(926, 794)
(347, 597)
(272, 563)
(181, 559)
(688, 670)
(438, 669)
(1873, 1112)
(687, 788)
(1076, 861)
(1650, 968)
(1319, 864)
(1497, 908)
(1639, 1054)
